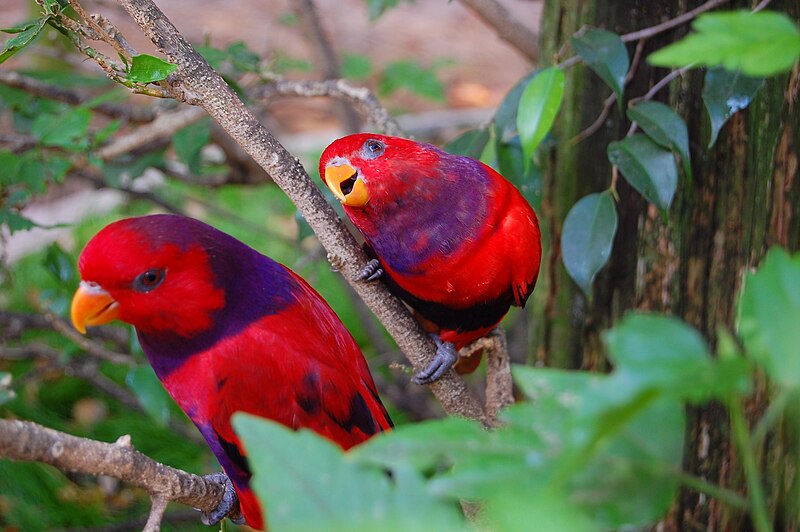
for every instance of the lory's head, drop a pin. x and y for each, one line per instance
(366, 167)
(153, 272)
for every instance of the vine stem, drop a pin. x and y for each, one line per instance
(744, 443)
(700, 485)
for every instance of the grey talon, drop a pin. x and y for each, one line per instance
(370, 272)
(446, 356)
(229, 502)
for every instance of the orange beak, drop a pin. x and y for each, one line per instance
(347, 185)
(91, 305)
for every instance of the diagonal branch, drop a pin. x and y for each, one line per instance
(197, 83)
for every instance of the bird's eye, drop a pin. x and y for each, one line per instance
(373, 149)
(148, 280)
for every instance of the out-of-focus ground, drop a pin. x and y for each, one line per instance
(480, 67)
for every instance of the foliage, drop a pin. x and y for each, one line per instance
(757, 44)
(606, 450)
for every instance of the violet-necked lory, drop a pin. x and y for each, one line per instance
(450, 236)
(227, 330)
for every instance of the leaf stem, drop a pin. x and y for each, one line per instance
(771, 416)
(744, 443)
(731, 498)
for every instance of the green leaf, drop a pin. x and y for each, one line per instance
(145, 385)
(6, 393)
(309, 483)
(469, 144)
(605, 53)
(769, 316)
(725, 93)
(511, 164)
(55, 168)
(511, 511)
(14, 221)
(26, 33)
(413, 77)
(587, 238)
(189, 142)
(538, 107)
(64, 130)
(649, 168)
(759, 44)
(356, 66)
(61, 265)
(661, 352)
(505, 118)
(147, 69)
(664, 127)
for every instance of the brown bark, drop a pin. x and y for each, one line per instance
(743, 198)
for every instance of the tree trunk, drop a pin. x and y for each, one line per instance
(743, 198)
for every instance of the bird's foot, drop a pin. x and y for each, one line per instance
(370, 272)
(444, 359)
(228, 505)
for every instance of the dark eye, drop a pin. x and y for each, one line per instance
(373, 149)
(148, 280)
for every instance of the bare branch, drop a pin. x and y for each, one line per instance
(45, 90)
(23, 440)
(164, 126)
(361, 98)
(646, 33)
(196, 82)
(90, 346)
(506, 26)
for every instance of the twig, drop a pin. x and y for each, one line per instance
(499, 385)
(506, 26)
(361, 98)
(646, 33)
(196, 82)
(45, 90)
(307, 11)
(164, 126)
(24, 440)
(93, 348)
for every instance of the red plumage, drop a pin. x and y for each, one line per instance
(455, 239)
(227, 329)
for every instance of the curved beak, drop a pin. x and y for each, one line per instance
(91, 305)
(347, 185)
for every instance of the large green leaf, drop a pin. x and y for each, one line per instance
(759, 44)
(769, 316)
(147, 69)
(649, 168)
(605, 53)
(25, 34)
(308, 483)
(725, 93)
(538, 107)
(587, 238)
(505, 118)
(665, 127)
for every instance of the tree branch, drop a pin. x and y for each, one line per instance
(506, 26)
(196, 82)
(24, 440)
(360, 97)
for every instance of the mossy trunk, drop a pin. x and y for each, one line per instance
(743, 198)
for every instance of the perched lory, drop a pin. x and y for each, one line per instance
(227, 329)
(450, 236)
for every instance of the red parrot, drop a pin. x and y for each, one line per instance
(227, 330)
(450, 236)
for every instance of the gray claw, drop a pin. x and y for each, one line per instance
(444, 359)
(228, 504)
(370, 272)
